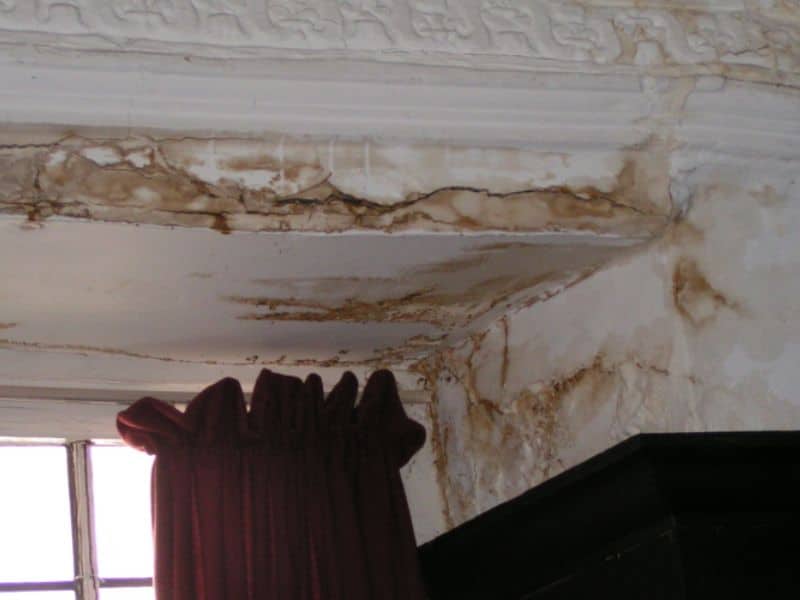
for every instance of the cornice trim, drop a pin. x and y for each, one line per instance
(739, 39)
(555, 111)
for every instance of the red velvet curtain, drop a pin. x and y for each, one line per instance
(298, 499)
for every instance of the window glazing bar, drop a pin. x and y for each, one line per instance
(80, 480)
(36, 586)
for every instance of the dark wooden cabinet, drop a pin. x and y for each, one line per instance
(659, 516)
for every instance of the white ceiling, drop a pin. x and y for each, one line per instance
(195, 296)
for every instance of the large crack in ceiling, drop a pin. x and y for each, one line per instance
(296, 185)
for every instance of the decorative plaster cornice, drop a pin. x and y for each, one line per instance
(742, 38)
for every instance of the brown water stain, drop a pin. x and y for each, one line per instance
(262, 162)
(440, 440)
(456, 264)
(499, 246)
(448, 293)
(326, 286)
(694, 297)
(400, 309)
(164, 191)
(220, 223)
(429, 371)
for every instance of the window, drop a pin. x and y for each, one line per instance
(74, 522)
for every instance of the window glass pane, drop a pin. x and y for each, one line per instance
(60, 595)
(35, 526)
(142, 593)
(121, 480)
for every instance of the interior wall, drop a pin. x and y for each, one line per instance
(604, 118)
(698, 332)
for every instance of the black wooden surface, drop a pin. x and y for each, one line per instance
(659, 516)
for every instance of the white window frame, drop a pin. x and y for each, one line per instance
(87, 582)
(74, 418)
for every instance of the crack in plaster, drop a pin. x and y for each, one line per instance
(86, 350)
(99, 180)
(381, 357)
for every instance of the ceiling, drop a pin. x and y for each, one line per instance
(191, 189)
(193, 295)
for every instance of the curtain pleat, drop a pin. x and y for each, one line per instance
(299, 498)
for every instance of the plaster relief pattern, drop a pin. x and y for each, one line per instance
(760, 41)
(550, 30)
(234, 10)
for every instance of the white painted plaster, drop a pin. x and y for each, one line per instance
(619, 122)
(690, 335)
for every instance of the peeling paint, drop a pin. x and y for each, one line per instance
(205, 183)
(535, 356)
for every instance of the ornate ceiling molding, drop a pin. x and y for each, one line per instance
(545, 73)
(740, 39)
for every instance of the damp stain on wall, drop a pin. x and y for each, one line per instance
(695, 298)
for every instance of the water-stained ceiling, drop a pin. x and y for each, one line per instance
(158, 260)
(190, 189)
(193, 295)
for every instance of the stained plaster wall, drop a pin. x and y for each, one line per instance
(695, 332)
(699, 332)
(279, 183)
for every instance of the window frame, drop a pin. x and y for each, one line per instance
(86, 583)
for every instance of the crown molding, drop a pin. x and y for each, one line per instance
(550, 111)
(734, 37)
(556, 112)
(480, 72)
